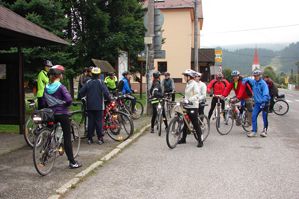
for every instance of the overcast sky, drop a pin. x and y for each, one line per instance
(238, 15)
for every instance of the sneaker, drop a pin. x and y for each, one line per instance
(182, 141)
(90, 141)
(75, 166)
(250, 127)
(264, 134)
(200, 144)
(101, 141)
(251, 135)
(152, 130)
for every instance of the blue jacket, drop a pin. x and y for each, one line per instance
(95, 90)
(126, 87)
(260, 90)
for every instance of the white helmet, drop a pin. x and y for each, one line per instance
(189, 72)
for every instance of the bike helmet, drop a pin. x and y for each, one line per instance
(167, 73)
(189, 72)
(89, 68)
(96, 70)
(48, 63)
(156, 74)
(257, 72)
(126, 73)
(110, 73)
(219, 76)
(56, 70)
(198, 74)
(235, 73)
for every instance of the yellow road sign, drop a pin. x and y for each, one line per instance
(218, 55)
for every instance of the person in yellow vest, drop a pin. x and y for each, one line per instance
(42, 81)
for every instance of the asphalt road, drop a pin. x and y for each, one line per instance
(231, 166)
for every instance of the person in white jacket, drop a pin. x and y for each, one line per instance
(191, 95)
(202, 93)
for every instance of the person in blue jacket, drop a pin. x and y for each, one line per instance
(261, 97)
(124, 87)
(95, 91)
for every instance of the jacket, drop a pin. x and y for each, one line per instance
(273, 90)
(57, 98)
(242, 91)
(260, 90)
(125, 86)
(156, 92)
(202, 91)
(192, 93)
(42, 81)
(218, 87)
(168, 85)
(111, 83)
(95, 91)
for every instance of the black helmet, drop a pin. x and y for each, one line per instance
(111, 73)
(167, 73)
(56, 70)
(89, 68)
(126, 73)
(48, 63)
(156, 74)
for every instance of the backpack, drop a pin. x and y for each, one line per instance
(120, 85)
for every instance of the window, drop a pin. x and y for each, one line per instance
(162, 67)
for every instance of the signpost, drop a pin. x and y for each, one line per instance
(218, 55)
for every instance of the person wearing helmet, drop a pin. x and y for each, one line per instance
(273, 91)
(261, 98)
(57, 98)
(111, 81)
(88, 76)
(156, 96)
(218, 85)
(202, 93)
(168, 84)
(243, 92)
(95, 91)
(124, 87)
(192, 96)
(42, 81)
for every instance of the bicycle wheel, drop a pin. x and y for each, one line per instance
(245, 121)
(224, 123)
(120, 126)
(75, 138)
(174, 132)
(81, 118)
(138, 109)
(31, 131)
(204, 124)
(160, 123)
(281, 107)
(44, 154)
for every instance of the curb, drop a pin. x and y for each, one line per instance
(74, 181)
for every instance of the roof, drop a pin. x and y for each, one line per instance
(15, 29)
(204, 55)
(177, 4)
(256, 59)
(105, 66)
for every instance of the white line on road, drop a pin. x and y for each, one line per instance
(289, 95)
(289, 101)
(297, 100)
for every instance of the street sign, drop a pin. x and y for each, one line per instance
(218, 55)
(159, 19)
(160, 54)
(148, 40)
(142, 56)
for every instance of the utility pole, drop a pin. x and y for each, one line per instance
(150, 54)
(196, 36)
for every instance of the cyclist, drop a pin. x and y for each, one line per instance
(81, 78)
(273, 91)
(156, 93)
(95, 91)
(124, 87)
(111, 81)
(168, 84)
(202, 92)
(57, 98)
(88, 76)
(219, 84)
(261, 97)
(243, 92)
(191, 95)
(42, 81)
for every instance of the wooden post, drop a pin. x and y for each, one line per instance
(21, 91)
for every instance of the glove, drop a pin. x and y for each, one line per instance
(244, 81)
(186, 101)
(263, 105)
(210, 94)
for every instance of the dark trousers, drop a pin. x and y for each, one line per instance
(133, 101)
(201, 109)
(64, 120)
(272, 102)
(213, 104)
(95, 121)
(194, 119)
(155, 114)
(39, 103)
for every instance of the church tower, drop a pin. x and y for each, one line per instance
(256, 64)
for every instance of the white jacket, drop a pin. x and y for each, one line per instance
(202, 91)
(192, 94)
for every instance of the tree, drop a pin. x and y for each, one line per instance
(227, 74)
(270, 72)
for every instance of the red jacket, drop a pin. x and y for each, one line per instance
(242, 91)
(218, 87)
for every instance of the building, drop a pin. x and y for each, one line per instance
(178, 31)
(256, 64)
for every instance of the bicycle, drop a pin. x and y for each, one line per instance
(175, 127)
(159, 118)
(81, 116)
(49, 143)
(138, 109)
(280, 107)
(169, 106)
(218, 107)
(225, 120)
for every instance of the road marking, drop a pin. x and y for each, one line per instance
(289, 101)
(289, 95)
(297, 100)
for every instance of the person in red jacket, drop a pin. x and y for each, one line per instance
(243, 92)
(219, 84)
